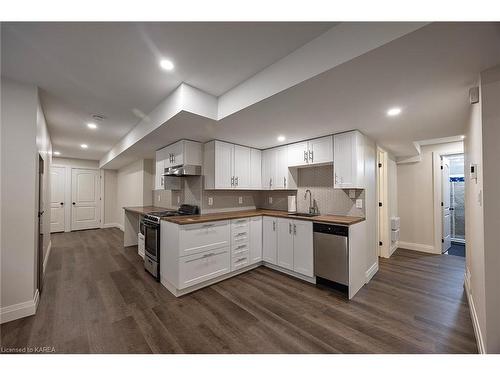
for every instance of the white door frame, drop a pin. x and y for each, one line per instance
(437, 187)
(67, 194)
(383, 224)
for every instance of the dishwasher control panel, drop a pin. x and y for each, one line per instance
(338, 230)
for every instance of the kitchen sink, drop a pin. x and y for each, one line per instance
(305, 214)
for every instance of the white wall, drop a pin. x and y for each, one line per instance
(474, 228)
(490, 87)
(75, 163)
(134, 186)
(22, 129)
(110, 215)
(416, 198)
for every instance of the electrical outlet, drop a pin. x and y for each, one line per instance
(210, 201)
(159, 198)
(359, 203)
(352, 193)
(178, 200)
(240, 200)
(270, 200)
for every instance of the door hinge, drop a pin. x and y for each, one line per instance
(442, 240)
(380, 165)
(442, 204)
(441, 167)
(380, 204)
(380, 243)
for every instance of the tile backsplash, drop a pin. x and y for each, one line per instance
(319, 180)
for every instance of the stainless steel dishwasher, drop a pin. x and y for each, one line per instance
(331, 252)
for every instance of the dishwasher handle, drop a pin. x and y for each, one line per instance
(337, 230)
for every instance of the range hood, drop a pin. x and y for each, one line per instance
(183, 170)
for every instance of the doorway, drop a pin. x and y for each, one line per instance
(453, 198)
(39, 262)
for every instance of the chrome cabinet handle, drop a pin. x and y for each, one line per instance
(274, 226)
(284, 181)
(271, 182)
(290, 228)
(232, 181)
(236, 180)
(241, 247)
(311, 155)
(294, 229)
(208, 225)
(305, 156)
(240, 259)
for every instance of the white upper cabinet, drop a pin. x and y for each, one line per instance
(321, 150)
(229, 166)
(255, 169)
(313, 152)
(348, 164)
(275, 171)
(297, 154)
(181, 152)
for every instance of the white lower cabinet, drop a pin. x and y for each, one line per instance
(194, 269)
(197, 238)
(255, 239)
(295, 246)
(269, 239)
(285, 243)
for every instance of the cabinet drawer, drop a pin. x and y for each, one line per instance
(240, 260)
(238, 225)
(197, 238)
(194, 269)
(241, 248)
(240, 237)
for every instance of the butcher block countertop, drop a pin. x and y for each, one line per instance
(143, 210)
(329, 219)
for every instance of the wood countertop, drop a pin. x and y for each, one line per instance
(195, 219)
(143, 210)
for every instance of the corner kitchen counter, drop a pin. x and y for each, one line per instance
(204, 218)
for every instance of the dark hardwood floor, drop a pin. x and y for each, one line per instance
(98, 299)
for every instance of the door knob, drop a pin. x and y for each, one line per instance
(62, 203)
(74, 203)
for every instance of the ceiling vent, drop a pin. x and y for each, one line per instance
(98, 117)
(474, 95)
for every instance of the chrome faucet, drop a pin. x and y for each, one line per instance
(312, 210)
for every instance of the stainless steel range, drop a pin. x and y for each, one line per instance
(151, 223)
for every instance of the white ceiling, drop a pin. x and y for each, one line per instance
(427, 73)
(112, 68)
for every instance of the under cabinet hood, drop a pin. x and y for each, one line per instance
(183, 170)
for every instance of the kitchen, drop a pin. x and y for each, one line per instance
(187, 252)
(243, 187)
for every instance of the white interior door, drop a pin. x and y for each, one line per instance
(85, 213)
(57, 201)
(445, 198)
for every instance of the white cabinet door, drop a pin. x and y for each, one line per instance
(241, 171)
(177, 151)
(320, 150)
(297, 154)
(348, 164)
(269, 239)
(197, 238)
(285, 243)
(255, 239)
(57, 198)
(303, 255)
(224, 156)
(194, 269)
(281, 172)
(268, 168)
(161, 156)
(255, 169)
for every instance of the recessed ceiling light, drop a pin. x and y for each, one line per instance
(394, 111)
(166, 64)
(281, 138)
(56, 153)
(91, 125)
(83, 145)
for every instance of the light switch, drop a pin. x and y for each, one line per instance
(359, 203)
(270, 200)
(240, 200)
(210, 201)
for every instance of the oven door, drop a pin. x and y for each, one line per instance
(152, 240)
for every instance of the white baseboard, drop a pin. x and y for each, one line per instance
(371, 272)
(113, 225)
(393, 248)
(473, 314)
(19, 310)
(47, 256)
(418, 247)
